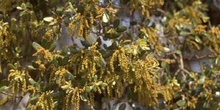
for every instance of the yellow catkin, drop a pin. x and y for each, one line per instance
(49, 34)
(113, 58)
(77, 101)
(67, 100)
(123, 61)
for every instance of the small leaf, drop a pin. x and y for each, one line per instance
(104, 84)
(116, 23)
(164, 64)
(3, 88)
(184, 33)
(112, 35)
(94, 88)
(217, 93)
(65, 87)
(70, 76)
(105, 18)
(30, 67)
(33, 100)
(32, 82)
(121, 29)
(59, 11)
(48, 19)
(56, 104)
(181, 103)
(29, 5)
(166, 49)
(202, 79)
(23, 13)
(99, 83)
(197, 39)
(36, 45)
(175, 82)
(89, 88)
(85, 43)
(19, 8)
(11, 66)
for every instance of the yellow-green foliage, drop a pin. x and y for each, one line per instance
(59, 79)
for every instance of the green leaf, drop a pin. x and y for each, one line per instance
(202, 79)
(112, 35)
(164, 64)
(89, 88)
(11, 66)
(32, 82)
(36, 45)
(99, 83)
(197, 39)
(30, 67)
(3, 88)
(94, 88)
(70, 76)
(121, 29)
(184, 33)
(29, 5)
(33, 100)
(59, 10)
(85, 43)
(56, 104)
(104, 84)
(181, 103)
(116, 23)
